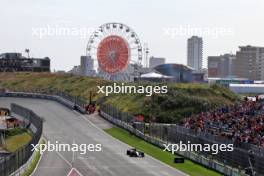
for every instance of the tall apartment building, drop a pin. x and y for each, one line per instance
(249, 62)
(155, 61)
(195, 52)
(221, 66)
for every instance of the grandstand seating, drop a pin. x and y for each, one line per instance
(242, 122)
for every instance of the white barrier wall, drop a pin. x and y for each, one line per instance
(247, 88)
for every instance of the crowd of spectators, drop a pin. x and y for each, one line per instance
(242, 122)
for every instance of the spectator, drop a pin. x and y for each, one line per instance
(243, 122)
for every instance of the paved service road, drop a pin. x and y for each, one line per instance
(67, 127)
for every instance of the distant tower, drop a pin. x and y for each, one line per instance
(87, 66)
(195, 52)
(27, 51)
(146, 50)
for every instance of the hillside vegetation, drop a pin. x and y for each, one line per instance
(181, 100)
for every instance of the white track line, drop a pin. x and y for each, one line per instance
(35, 169)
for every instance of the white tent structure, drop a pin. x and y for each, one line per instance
(154, 75)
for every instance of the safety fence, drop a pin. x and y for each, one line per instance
(232, 163)
(72, 102)
(12, 162)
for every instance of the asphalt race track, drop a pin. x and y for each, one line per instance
(67, 126)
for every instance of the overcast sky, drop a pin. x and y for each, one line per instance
(164, 24)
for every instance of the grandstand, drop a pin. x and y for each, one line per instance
(241, 123)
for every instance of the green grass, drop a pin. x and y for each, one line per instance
(15, 131)
(182, 100)
(34, 163)
(15, 142)
(188, 167)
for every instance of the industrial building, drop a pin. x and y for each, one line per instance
(76, 70)
(227, 81)
(15, 62)
(221, 66)
(179, 72)
(248, 63)
(87, 66)
(156, 61)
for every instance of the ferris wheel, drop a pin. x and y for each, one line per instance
(116, 51)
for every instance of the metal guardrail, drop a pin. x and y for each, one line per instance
(14, 161)
(73, 99)
(68, 101)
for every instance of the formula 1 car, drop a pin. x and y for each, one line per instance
(135, 153)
